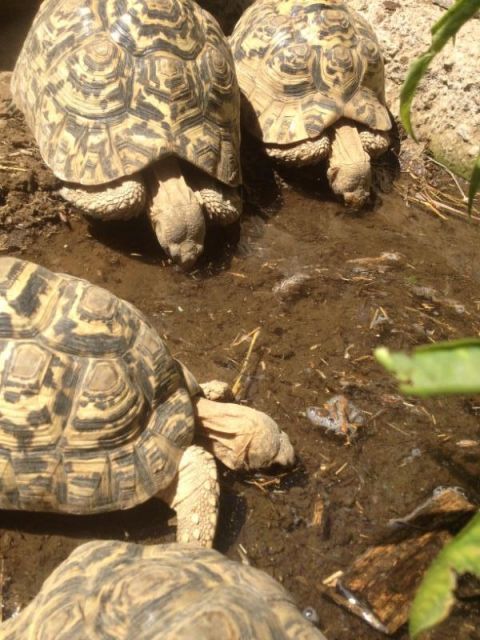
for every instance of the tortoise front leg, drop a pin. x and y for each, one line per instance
(118, 200)
(300, 154)
(222, 204)
(194, 497)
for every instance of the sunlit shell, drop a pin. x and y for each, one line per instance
(302, 66)
(109, 589)
(110, 86)
(94, 411)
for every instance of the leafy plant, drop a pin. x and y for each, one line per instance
(434, 598)
(444, 367)
(449, 367)
(442, 31)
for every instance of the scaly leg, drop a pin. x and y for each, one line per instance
(194, 496)
(301, 154)
(223, 205)
(375, 143)
(118, 200)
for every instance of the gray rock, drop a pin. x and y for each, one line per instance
(446, 109)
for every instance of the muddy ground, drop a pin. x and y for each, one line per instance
(311, 346)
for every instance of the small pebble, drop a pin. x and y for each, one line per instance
(311, 615)
(414, 453)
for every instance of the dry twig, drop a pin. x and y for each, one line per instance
(440, 203)
(238, 384)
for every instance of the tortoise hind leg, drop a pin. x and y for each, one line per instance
(194, 497)
(118, 200)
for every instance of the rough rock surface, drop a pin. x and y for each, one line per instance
(446, 109)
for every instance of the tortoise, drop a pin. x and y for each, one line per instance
(111, 589)
(312, 82)
(134, 104)
(96, 415)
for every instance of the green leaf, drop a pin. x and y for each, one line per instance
(442, 31)
(449, 367)
(415, 74)
(435, 596)
(453, 19)
(474, 184)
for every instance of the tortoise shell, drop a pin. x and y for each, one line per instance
(109, 589)
(110, 86)
(94, 411)
(303, 65)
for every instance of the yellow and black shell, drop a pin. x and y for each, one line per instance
(304, 64)
(110, 589)
(110, 86)
(94, 411)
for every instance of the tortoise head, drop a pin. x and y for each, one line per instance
(352, 183)
(242, 437)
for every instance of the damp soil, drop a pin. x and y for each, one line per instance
(316, 340)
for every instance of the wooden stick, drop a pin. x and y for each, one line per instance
(238, 382)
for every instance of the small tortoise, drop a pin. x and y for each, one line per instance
(120, 590)
(96, 415)
(312, 83)
(113, 87)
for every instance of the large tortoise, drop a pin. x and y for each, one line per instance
(312, 82)
(113, 87)
(96, 415)
(165, 592)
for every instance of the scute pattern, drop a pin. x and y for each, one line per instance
(174, 592)
(94, 411)
(27, 302)
(90, 320)
(110, 86)
(302, 66)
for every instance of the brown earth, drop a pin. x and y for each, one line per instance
(311, 346)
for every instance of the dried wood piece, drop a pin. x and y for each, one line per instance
(318, 512)
(240, 386)
(380, 585)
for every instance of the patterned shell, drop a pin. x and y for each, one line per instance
(110, 86)
(94, 411)
(108, 589)
(302, 65)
